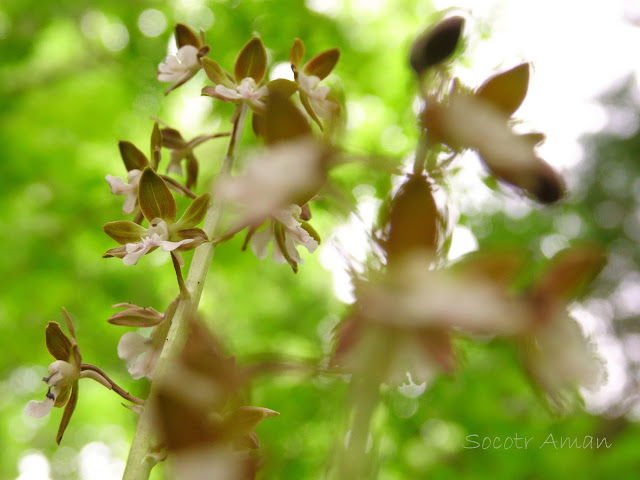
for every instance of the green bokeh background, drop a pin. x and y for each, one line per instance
(65, 101)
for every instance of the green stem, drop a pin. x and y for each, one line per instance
(139, 464)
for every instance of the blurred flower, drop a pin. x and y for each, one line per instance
(139, 354)
(129, 189)
(286, 231)
(288, 172)
(557, 355)
(409, 314)
(176, 67)
(317, 95)
(247, 92)
(204, 436)
(470, 122)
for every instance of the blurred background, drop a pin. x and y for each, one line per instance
(75, 79)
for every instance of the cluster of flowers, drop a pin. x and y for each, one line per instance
(408, 311)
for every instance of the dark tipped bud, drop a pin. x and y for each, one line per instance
(436, 44)
(549, 186)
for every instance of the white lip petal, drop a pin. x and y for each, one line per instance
(188, 56)
(259, 242)
(132, 345)
(171, 246)
(39, 409)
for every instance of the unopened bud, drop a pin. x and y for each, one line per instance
(413, 221)
(436, 44)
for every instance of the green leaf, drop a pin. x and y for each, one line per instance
(251, 61)
(195, 212)
(506, 90)
(124, 231)
(132, 157)
(322, 64)
(58, 343)
(156, 200)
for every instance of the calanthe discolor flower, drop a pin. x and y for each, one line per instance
(157, 236)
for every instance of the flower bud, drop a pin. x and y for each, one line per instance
(436, 44)
(413, 221)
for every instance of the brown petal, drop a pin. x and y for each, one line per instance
(282, 120)
(172, 139)
(216, 73)
(297, 52)
(186, 36)
(570, 272)
(322, 64)
(69, 322)
(58, 343)
(251, 61)
(132, 157)
(413, 221)
(506, 90)
(156, 200)
(156, 143)
(124, 231)
(137, 317)
(68, 411)
(195, 212)
(436, 44)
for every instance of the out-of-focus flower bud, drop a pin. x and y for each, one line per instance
(436, 45)
(413, 221)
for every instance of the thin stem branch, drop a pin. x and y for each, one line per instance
(179, 186)
(139, 464)
(114, 386)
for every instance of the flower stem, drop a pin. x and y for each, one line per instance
(114, 386)
(139, 463)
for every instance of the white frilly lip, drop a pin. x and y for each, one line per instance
(130, 189)
(39, 409)
(138, 352)
(177, 66)
(247, 91)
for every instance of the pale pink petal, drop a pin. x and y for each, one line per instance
(130, 203)
(135, 251)
(170, 246)
(117, 185)
(188, 56)
(132, 345)
(39, 409)
(307, 82)
(227, 93)
(170, 77)
(290, 245)
(260, 240)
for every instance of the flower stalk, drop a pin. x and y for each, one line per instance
(139, 463)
